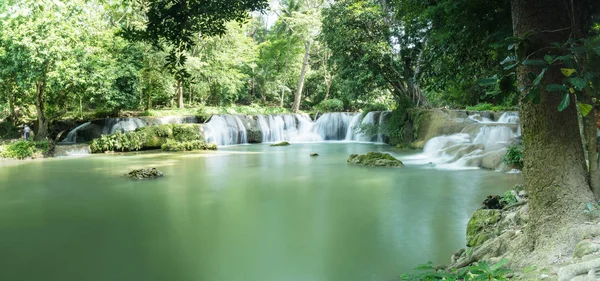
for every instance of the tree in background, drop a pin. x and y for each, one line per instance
(178, 23)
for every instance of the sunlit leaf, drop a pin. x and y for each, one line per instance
(584, 108)
(567, 71)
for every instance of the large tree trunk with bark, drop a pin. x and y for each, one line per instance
(298, 96)
(40, 88)
(555, 174)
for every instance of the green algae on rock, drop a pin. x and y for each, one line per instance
(375, 159)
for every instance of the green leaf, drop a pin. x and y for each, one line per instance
(584, 108)
(548, 58)
(509, 67)
(565, 102)
(567, 71)
(499, 264)
(578, 83)
(556, 88)
(509, 59)
(488, 81)
(535, 62)
(539, 78)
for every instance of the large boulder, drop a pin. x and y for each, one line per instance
(375, 159)
(478, 228)
(145, 174)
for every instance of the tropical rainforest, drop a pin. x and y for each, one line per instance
(84, 59)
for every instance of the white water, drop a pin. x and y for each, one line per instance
(71, 150)
(230, 129)
(468, 150)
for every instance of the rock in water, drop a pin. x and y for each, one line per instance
(375, 159)
(283, 143)
(145, 174)
(314, 154)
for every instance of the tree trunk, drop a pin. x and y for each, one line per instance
(554, 175)
(591, 132)
(180, 94)
(42, 132)
(298, 96)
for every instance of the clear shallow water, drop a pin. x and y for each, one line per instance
(251, 213)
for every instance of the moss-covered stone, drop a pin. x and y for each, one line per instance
(314, 154)
(375, 159)
(283, 143)
(478, 228)
(145, 174)
(585, 247)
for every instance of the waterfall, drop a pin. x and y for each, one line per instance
(339, 126)
(483, 144)
(225, 130)
(72, 135)
(71, 150)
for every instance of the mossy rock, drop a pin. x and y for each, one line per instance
(478, 228)
(585, 247)
(375, 159)
(143, 174)
(283, 143)
(314, 154)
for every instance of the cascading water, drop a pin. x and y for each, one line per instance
(483, 144)
(226, 130)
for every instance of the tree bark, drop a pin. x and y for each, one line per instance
(554, 175)
(40, 88)
(298, 96)
(180, 94)
(591, 132)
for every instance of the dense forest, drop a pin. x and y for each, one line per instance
(69, 57)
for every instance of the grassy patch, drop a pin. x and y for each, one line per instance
(490, 107)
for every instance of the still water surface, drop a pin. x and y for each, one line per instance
(245, 213)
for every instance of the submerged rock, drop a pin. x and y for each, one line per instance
(145, 174)
(314, 154)
(283, 143)
(375, 159)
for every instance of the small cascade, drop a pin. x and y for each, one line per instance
(335, 126)
(482, 144)
(226, 130)
(72, 135)
(363, 130)
(72, 150)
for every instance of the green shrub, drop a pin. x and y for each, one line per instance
(24, 149)
(176, 146)
(514, 157)
(479, 271)
(508, 198)
(131, 141)
(331, 105)
(187, 132)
